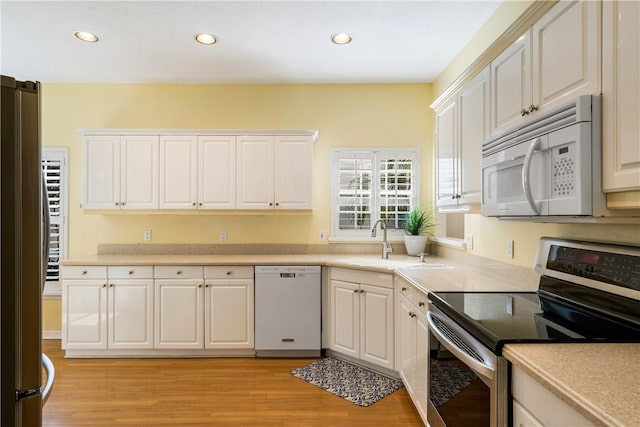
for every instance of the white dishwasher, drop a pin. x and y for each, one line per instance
(287, 311)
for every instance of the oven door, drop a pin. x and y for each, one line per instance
(467, 382)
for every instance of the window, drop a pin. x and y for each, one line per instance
(54, 168)
(371, 184)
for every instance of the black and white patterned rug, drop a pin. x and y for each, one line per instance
(350, 382)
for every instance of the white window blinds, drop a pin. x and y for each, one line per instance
(368, 185)
(54, 170)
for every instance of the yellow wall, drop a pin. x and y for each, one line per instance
(51, 315)
(345, 115)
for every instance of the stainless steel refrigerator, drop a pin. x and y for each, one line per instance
(24, 244)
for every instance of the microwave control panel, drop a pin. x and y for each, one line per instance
(564, 172)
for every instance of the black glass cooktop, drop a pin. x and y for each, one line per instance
(558, 312)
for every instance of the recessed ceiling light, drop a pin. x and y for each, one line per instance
(205, 38)
(86, 37)
(341, 38)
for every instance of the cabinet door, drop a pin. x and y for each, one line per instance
(293, 172)
(101, 174)
(130, 314)
(473, 130)
(376, 326)
(511, 84)
(421, 374)
(621, 96)
(139, 172)
(229, 314)
(566, 53)
(216, 172)
(179, 317)
(406, 343)
(255, 172)
(84, 314)
(178, 172)
(446, 136)
(344, 335)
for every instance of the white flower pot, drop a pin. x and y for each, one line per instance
(415, 245)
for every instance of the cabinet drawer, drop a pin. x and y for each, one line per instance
(178, 272)
(131, 272)
(362, 277)
(84, 272)
(229, 272)
(419, 299)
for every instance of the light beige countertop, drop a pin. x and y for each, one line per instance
(435, 274)
(600, 381)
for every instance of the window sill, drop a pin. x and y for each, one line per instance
(355, 239)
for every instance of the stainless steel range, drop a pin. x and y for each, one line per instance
(588, 292)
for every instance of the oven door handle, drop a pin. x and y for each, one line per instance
(484, 370)
(526, 175)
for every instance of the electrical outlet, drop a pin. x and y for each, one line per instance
(321, 235)
(509, 248)
(146, 235)
(223, 235)
(468, 241)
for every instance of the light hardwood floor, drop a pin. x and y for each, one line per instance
(203, 392)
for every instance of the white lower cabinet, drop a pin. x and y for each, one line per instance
(412, 343)
(104, 310)
(229, 314)
(535, 406)
(361, 316)
(162, 310)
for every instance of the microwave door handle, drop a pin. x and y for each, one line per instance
(526, 178)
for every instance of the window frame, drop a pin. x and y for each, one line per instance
(375, 154)
(54, 288)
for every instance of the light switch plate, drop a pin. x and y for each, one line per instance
(468, 241)
(223, 235)
(146, 235)
(509, 248)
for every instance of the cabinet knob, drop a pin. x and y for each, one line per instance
(523, 112)
(130, 272)
(229, 273)
(200, 204)
(421, 304)
(458, 196)
(117, 204)
(355, 291)
(361, 291)
(270, 204)
(83, 272)
(111, 285)
(200, 285)
(123, 203)
(532, 108)
(277, 204)
(404, 289)
(104, 285)
(193, 204)
(412, 314)
(179, 272)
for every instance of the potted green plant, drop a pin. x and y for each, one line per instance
(418, 227)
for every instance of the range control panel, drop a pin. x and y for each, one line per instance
(609, 267)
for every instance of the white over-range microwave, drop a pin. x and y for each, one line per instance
(550, 166)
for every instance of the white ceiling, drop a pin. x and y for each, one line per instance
(258, 41)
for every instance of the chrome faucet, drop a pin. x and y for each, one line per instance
(386, 247)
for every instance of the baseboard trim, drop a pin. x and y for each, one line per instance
(51, 335)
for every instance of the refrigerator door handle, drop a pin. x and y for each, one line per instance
(46, 234)
(51, 375)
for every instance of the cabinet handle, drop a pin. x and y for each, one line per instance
(523, 112)
(404, 289)
(421, 304)
(83, 272)
(179, 272)
(532, 108)
(458, 196)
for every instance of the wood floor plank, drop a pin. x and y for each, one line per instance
(203, 392)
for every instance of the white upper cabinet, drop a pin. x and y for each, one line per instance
(216, 172)
(197, 170)
(462, 126)
(552, 63)
(255, 172)
(101, 172)
(293, 172)
(274, 172)
(120, 172)
(621, 97)
(178, 172)
(139, 172)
